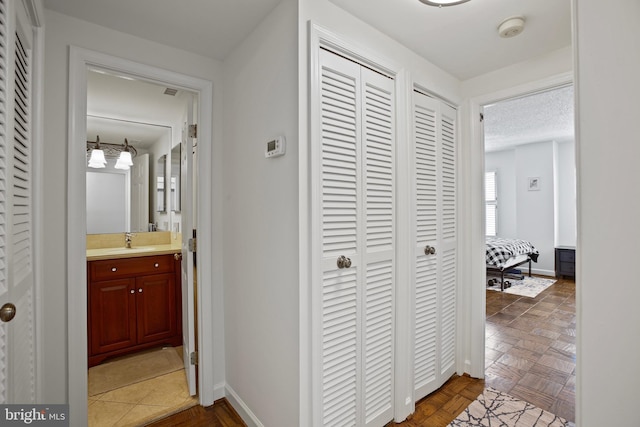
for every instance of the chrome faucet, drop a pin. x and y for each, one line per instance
(127, 240)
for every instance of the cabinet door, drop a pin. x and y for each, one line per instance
(112, 315)
(156, 307)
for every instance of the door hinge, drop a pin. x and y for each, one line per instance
(194, 357)
(192, 244)
(481, 117)
(193, 131)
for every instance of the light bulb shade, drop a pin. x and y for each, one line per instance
(441, 3)
(124, 161)
(97, 159)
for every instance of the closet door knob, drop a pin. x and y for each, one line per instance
(429, 250)
(344, 262)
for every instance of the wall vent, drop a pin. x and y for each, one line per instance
(170, 91)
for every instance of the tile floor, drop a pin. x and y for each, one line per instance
(140, 403)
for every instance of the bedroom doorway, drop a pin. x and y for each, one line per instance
(529, 170)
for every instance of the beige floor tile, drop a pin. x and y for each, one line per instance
(107, 414)
(133, 393)
(141, 413)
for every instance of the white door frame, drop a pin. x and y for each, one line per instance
(79, 60)
(477, 267)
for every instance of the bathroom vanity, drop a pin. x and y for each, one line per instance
(134, 300)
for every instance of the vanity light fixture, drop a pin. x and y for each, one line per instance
(124, 161)
(441, 3)
(97, 159)
(101, 151)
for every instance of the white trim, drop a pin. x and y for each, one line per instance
(79, 60)
(242, 408)
(38, 195)
(476, 233)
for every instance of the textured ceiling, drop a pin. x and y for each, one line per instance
(544, 116)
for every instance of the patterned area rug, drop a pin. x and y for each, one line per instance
(496, 409)
(527, 287)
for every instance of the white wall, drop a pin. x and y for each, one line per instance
(542, 215)
(261, 222)
(608, 66)
(61, 32)
(536, 208)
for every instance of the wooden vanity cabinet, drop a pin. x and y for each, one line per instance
(134, 303)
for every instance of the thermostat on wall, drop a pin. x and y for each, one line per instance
(275, 147)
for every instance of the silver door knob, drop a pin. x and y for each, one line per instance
(429, 250)
(344, 262)
(7, 312)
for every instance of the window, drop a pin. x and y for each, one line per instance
(491, 203)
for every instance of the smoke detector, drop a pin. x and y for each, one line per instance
(511, 27)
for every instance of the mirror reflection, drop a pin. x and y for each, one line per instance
(160, 184)
(175, 178)
(121, 200)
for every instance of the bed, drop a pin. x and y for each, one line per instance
(505, 254)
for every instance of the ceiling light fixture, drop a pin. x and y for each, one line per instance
(441, 3)
(101, 151)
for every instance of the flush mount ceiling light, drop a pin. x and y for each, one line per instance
(441, 3)
(511, 27)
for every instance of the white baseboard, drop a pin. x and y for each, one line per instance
(550, 273)
(241, 408)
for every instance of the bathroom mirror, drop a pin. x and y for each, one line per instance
(161, 171)
(175, 178)
(128, 200)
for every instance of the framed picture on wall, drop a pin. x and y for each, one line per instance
(534, 184)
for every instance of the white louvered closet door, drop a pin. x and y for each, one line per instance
(357, 224)
(434, 172)
(17, 337)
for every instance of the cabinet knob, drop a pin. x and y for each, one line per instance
(114, 269)
(140, 290)
(132, 291)
(156, 265)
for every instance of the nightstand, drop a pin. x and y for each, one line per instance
(565, 261)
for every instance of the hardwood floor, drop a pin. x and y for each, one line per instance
(530, 354)
(530, 347)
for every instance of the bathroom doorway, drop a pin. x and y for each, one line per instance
(148, 121)
(82, 63)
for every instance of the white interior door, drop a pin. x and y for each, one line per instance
(17, 336)
(357, 232)
(188, 266)
(434, 218)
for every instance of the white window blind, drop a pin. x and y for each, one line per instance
(491, 203)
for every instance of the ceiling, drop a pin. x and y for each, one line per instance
(119, 107)
(541, 117)
(463, 40)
